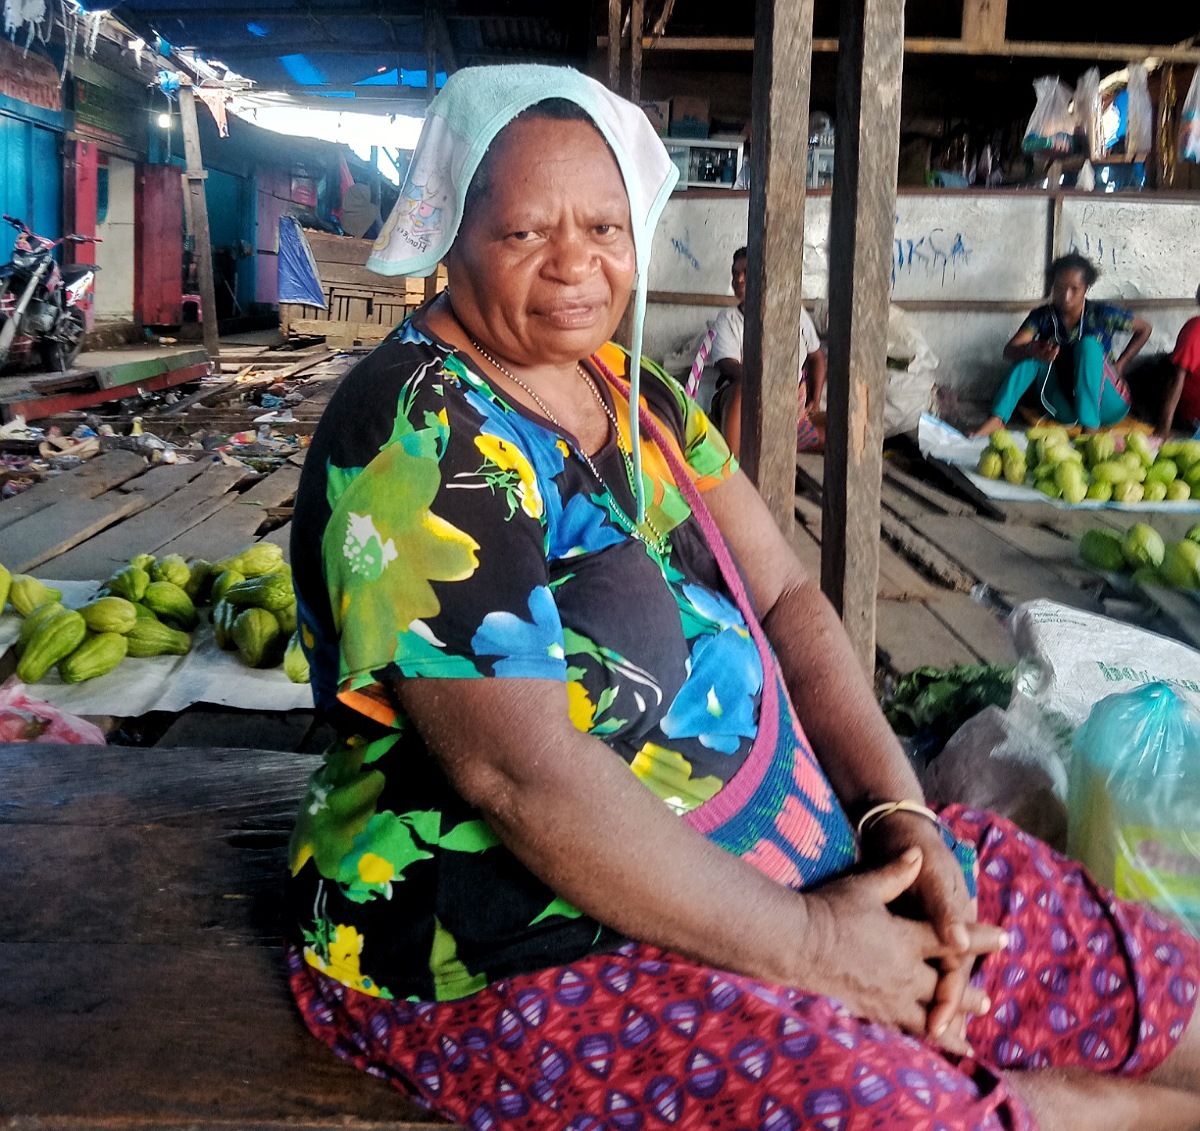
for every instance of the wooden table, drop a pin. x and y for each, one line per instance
(142, 979)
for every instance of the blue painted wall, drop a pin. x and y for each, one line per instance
(30, 170)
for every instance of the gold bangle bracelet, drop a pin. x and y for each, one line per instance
(878, 812)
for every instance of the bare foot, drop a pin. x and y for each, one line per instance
(1070, 1099)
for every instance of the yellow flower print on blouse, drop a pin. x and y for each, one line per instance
(509, 460)
(580, 707)
(668, 774)
(342, 964)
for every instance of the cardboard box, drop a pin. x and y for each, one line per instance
(689, 117)
(659, 114)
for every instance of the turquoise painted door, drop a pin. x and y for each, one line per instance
(30, 177)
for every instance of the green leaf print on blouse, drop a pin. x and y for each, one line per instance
(470, 836)
(332, 815)
(558, 906)
(378, 857)
(382, 548)
(451, 979)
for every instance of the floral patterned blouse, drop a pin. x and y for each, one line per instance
(443, 532)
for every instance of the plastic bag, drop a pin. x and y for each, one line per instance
(1000, 762)
(1052, 125)
(23, 719)
(1189, 127)
(1134, 799)
(1139, 125)
(1089, 111)
(1070, 659)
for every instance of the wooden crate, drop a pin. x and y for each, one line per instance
(362, 305)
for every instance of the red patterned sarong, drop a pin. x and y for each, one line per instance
(642, 1038)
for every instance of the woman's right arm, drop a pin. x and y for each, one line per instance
(574, 814)
(1023, 345)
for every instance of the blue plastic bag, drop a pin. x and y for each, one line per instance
(1134, 799)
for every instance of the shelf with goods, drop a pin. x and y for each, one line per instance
(710, 162)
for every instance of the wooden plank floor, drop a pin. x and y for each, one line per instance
(144, 985)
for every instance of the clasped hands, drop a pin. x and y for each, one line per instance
(902, 937)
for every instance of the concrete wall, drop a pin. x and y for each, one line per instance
(966, 266)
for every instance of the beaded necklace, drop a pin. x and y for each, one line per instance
(658, 541)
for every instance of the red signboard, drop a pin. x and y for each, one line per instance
(29, 77)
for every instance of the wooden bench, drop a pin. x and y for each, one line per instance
(142, 980)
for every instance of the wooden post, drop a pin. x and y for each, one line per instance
(195, 176)
(637, 20)
(778, 156)
(614, 46)
(861, 229)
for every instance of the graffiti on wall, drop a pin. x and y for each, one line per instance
(934, 253)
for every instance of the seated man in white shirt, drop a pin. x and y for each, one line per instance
(726, 355)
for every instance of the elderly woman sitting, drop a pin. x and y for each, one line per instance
(617, 835)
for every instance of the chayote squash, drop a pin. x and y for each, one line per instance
(168, 602)
(254, 560)
(96, 656)
(172, 568)
(255, 631)
(109, 614)
(26, 593)
(150, 637)
(295, 662)
(55, 638)
(129, 582)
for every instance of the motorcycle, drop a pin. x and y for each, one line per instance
(40, 300)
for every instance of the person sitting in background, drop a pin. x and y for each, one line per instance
(726, 354)
(1181, 397)
(1063, 354)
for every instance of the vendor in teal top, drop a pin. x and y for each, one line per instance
(1064, 355)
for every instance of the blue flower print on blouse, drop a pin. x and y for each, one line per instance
(716, 704)
(527, 649)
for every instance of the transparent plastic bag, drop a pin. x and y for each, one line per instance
(1051, 125)
(1139, 128)
(1134, 799)
(23, 719)
(1089, 110)
(1189, 125)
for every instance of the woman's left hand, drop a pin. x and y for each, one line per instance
(940, 897)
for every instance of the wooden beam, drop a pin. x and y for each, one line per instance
(782, 79)
(614, 46)
(637, 21)
(1011, 48)
(194, 179)
(984, 22)
(861, 226)
(430, 37)
(445, 46)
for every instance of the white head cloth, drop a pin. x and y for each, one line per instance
(463, 120)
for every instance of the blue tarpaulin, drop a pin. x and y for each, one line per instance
(298, 278)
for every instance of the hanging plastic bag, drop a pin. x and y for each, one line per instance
(1134, 799)
(1052, 125)
(1088, 110)
(1189, 123)
(1139, 127)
